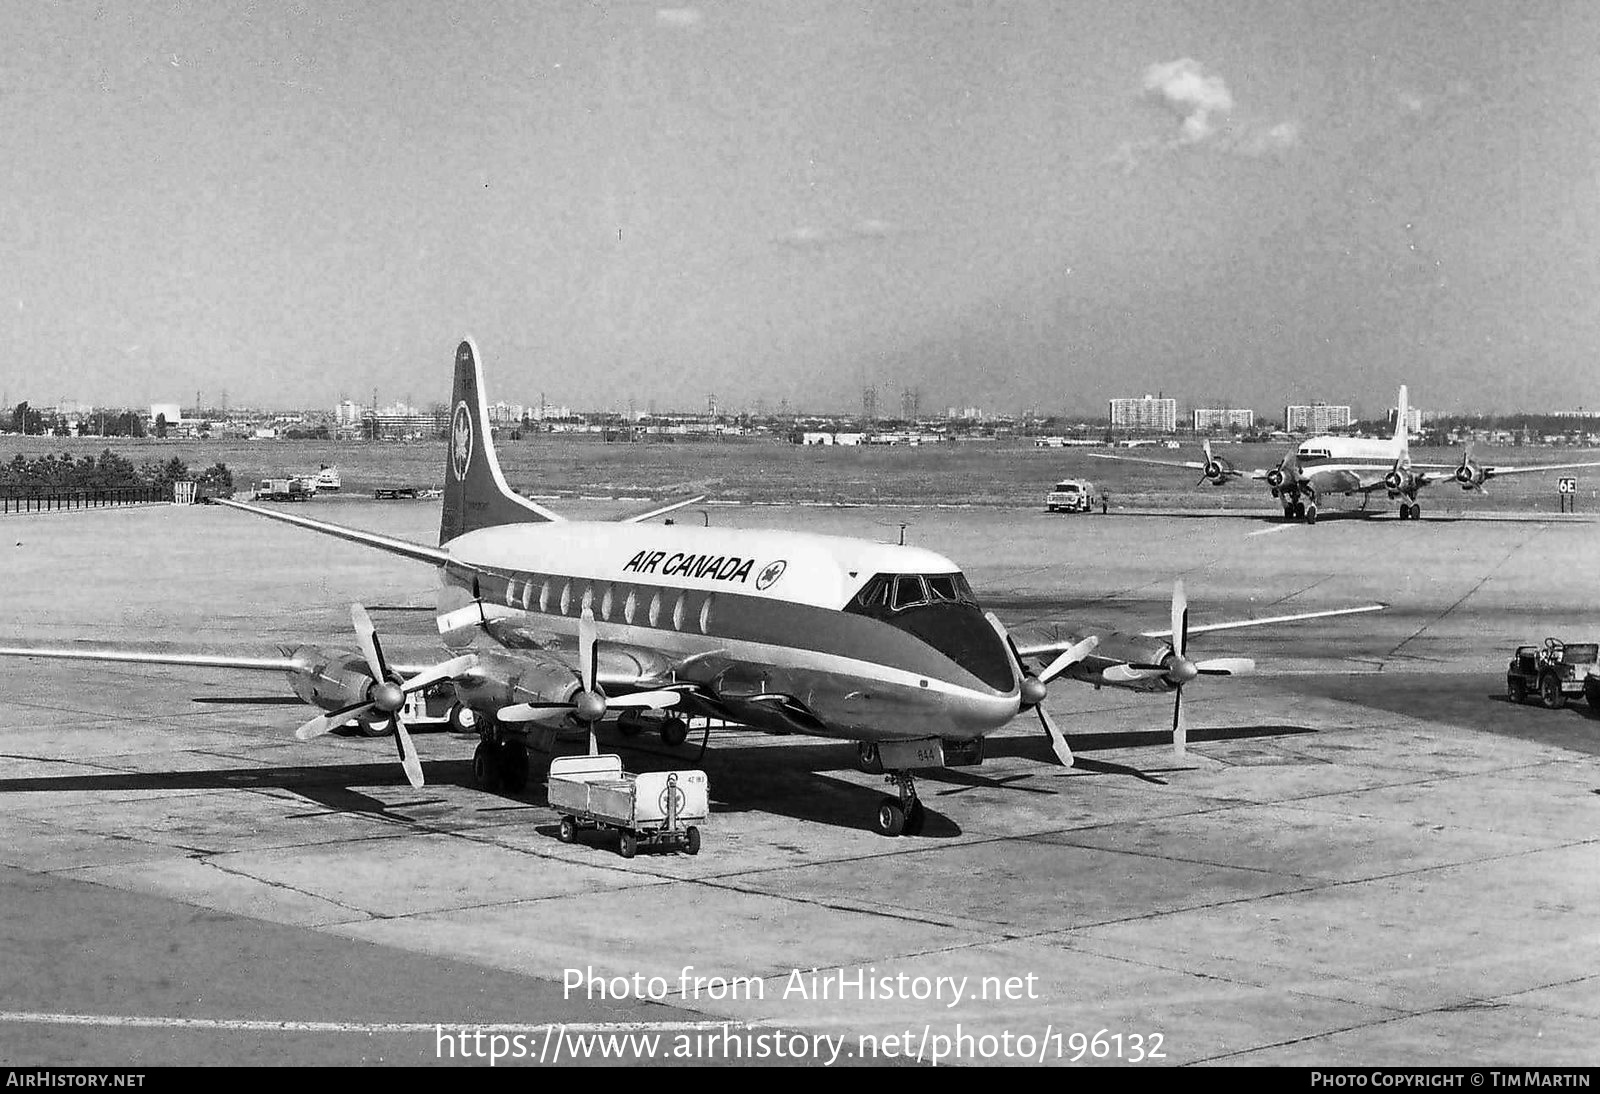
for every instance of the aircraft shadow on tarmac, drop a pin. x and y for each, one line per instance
(791, 781)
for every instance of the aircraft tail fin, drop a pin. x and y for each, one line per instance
(1402, 423)
(475, 492)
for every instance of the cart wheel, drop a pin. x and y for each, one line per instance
(628, 845)
(692, 840)
(1517, 689)
(568, 830)
(375, 729)
(463, 719)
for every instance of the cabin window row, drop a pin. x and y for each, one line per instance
(612, 602)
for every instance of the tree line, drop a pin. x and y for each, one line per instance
(107, 471)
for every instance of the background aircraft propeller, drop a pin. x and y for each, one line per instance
(1034, 688)
(387, 693)
(590, 704)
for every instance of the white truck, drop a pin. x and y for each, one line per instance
(651, 808)
(1071, 496)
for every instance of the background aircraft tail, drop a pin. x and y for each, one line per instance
(1402, 424)
(475, 492)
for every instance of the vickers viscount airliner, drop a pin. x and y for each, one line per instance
(553, 625)
(1352, 465)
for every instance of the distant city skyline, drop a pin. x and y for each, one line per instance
(1046, 203)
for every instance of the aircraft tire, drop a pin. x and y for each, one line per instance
(628, 845)
(674, 731)
(486, 766)
(513, 764)
(891, 817)
(375, 729)
(629, 723)
(1416, 510)
(1550, 692)
(1311, 513)
(691, 840)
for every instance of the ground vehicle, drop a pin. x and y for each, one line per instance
(648, 808)
(431, 706)
(283, 490)
(1553, 672)
(1071, 496)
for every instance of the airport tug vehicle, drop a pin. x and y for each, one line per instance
(1553, 672)
(653, 808)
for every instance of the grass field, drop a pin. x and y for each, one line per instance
(1001, 473)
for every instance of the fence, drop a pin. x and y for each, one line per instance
(46, 501)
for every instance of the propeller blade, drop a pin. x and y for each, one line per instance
(1180, 618)
(1069, 657)
(535, 712)
(367, 636)
(1132, 674)
(588, 650)
(1226, 666)
(1180, 728)
(445, 670)
(1058, 740)
(322, 723)
(651, 700)
(409, 762)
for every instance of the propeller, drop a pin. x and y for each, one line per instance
(1214, 471)
(387, 693)
(1178, 670)
(590, 704)
(1287, 473)
(1032, 689)
(1469, 474)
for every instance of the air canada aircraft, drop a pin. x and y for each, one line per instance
(553, 625)
(1351, 465)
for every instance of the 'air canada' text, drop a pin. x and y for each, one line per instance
(711, 567)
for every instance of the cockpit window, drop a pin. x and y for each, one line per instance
(907, 592)
(942, 587)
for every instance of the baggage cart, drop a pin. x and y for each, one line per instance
(654, 808)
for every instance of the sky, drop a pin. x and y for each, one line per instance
(1019, 206)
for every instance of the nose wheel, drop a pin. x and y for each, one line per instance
(903, 815)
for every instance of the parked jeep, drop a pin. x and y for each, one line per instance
(1554, 672)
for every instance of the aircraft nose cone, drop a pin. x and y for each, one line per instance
(589, 706)
(388, 697)
(1033, 691)
(1182, 671)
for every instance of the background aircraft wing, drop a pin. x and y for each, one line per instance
(1193, 465)
(150, 657)
(435, 555)
(1264, 621)
(1519, 469)
(659, 509)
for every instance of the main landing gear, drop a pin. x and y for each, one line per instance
(1410, 510)
(1300, 510)
(903, 815)
(501, 764)
(674, 730)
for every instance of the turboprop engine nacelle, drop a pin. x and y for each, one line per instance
(1400, 480)
(329, 678)
(502, 681)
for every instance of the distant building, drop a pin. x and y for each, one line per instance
(1316, 418)
(1212, 420)
(1150, 413)
(347, 414)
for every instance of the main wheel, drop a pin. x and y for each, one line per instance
(691, 840)
(1416, 510)
(891, 817)
(628, 845)
(486, 766)
(568, 830)
(1299, 511)
(1550, 692)
(674, 731)
(463, 719)
(513, 766)
(1517, 689)
(1311, 513)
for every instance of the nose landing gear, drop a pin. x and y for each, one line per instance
(903, 815)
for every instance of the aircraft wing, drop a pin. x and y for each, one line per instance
(659, 509)
(1057, 638)
(150, 657)
(1520, 469)
(1193, 465)
(170, 657)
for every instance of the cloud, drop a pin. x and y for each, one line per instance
(1185, 89)
(679, 17)
(1204, 108)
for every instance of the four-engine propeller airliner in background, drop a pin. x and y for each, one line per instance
(553, 625)
(1325, 465)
